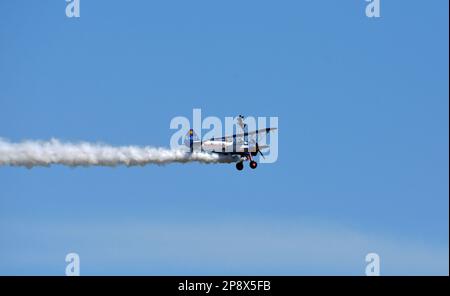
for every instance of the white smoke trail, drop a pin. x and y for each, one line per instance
(46, 153)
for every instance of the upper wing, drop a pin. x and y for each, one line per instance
(262, 131)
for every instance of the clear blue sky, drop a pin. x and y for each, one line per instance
(363, 143)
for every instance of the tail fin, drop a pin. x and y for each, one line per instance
(189, 139)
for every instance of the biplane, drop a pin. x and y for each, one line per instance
(234, 145)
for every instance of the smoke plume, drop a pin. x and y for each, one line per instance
(46, 153)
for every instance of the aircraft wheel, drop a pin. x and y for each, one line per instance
(239, 166)
(253, 164)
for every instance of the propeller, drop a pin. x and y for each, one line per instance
(258, 150)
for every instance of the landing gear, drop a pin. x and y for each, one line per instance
(240, 165)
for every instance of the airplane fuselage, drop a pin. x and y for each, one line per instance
(223, 147)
